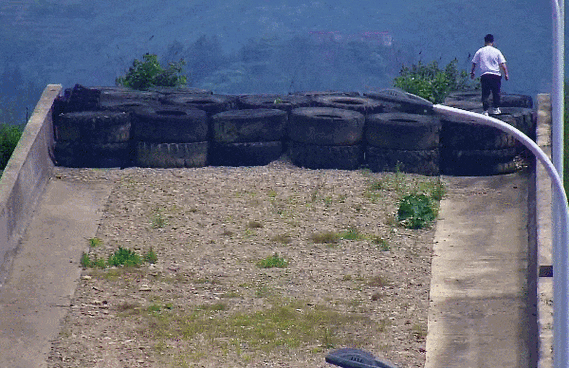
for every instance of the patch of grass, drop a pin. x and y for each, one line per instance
(327, 237)
(87, 262)
(419, 331)
(282, 238)
(285, 324)
(254, 225)
(352, 234)
(272, 262)
(380, 242)
(377, 281)
(416, 211)
(150, 256)
(158, 220)
(122, 257)
(95, 242)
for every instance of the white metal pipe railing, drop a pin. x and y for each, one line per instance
(560, 247)
(559, 227)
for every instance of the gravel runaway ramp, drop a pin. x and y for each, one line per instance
(44, 272)
(477, 316)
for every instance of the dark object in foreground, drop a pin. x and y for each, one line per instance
(355, 358)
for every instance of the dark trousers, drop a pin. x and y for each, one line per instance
(491, 83)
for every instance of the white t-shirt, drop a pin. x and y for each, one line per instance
(489, 58)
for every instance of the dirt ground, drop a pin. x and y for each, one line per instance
(349, 275)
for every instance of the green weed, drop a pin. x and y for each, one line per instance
(158, 220)
(95, 242)
(273, 261)
(416, 211)
(150, 256)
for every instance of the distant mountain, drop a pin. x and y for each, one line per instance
(249, 46)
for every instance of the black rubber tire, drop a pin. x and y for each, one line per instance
(170, 124)
(287, 103)
(467, 95)
(81, 98)
(245, 153)
(424, 162)
(468, 105)
(211, 104)
(170, 91)
(250, 125)
(325, 126)
(478, 162)
(314, 156)
(79, 154)
(462, 136)
(516, 100)
(172, 155)
(395, 100)
(95, 127)
(325, 93)
(475, 96)
(126, 105)
(125, 94)
(362, 105)
(402, 131)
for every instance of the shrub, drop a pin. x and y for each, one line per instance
(431, 82)
(9, 137)
(416, 211)
(124, 257)
(273, 261)
(149, 73)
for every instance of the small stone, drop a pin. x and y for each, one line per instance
(86, 277)
(144, 287)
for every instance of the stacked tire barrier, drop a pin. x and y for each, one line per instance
(325, 138)
(385, 130)
(481, 150)
(402, 141)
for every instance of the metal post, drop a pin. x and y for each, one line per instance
(560, 271)
(559, 231)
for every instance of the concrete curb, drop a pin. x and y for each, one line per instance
(26, 176)
(544, 237)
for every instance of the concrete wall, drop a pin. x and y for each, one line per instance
(26, 175)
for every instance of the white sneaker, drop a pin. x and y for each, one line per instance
(485, 113)
(496, 111)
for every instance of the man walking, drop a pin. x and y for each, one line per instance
(491, 62)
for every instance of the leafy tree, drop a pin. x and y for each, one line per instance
(431, 82)
(9, 137)
(149, 73)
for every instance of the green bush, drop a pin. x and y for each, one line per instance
(124, 257)
(416, 211)
(149, 73)
(431, 82)
(9, 137)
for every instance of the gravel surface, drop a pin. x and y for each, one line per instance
(351, 275)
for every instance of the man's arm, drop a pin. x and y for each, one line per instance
(472, 74)
(505, 69)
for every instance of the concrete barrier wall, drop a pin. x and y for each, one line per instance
(26, 175)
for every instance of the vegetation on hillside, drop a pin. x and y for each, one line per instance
(433, 83)
(9, 137)
(149, 73)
